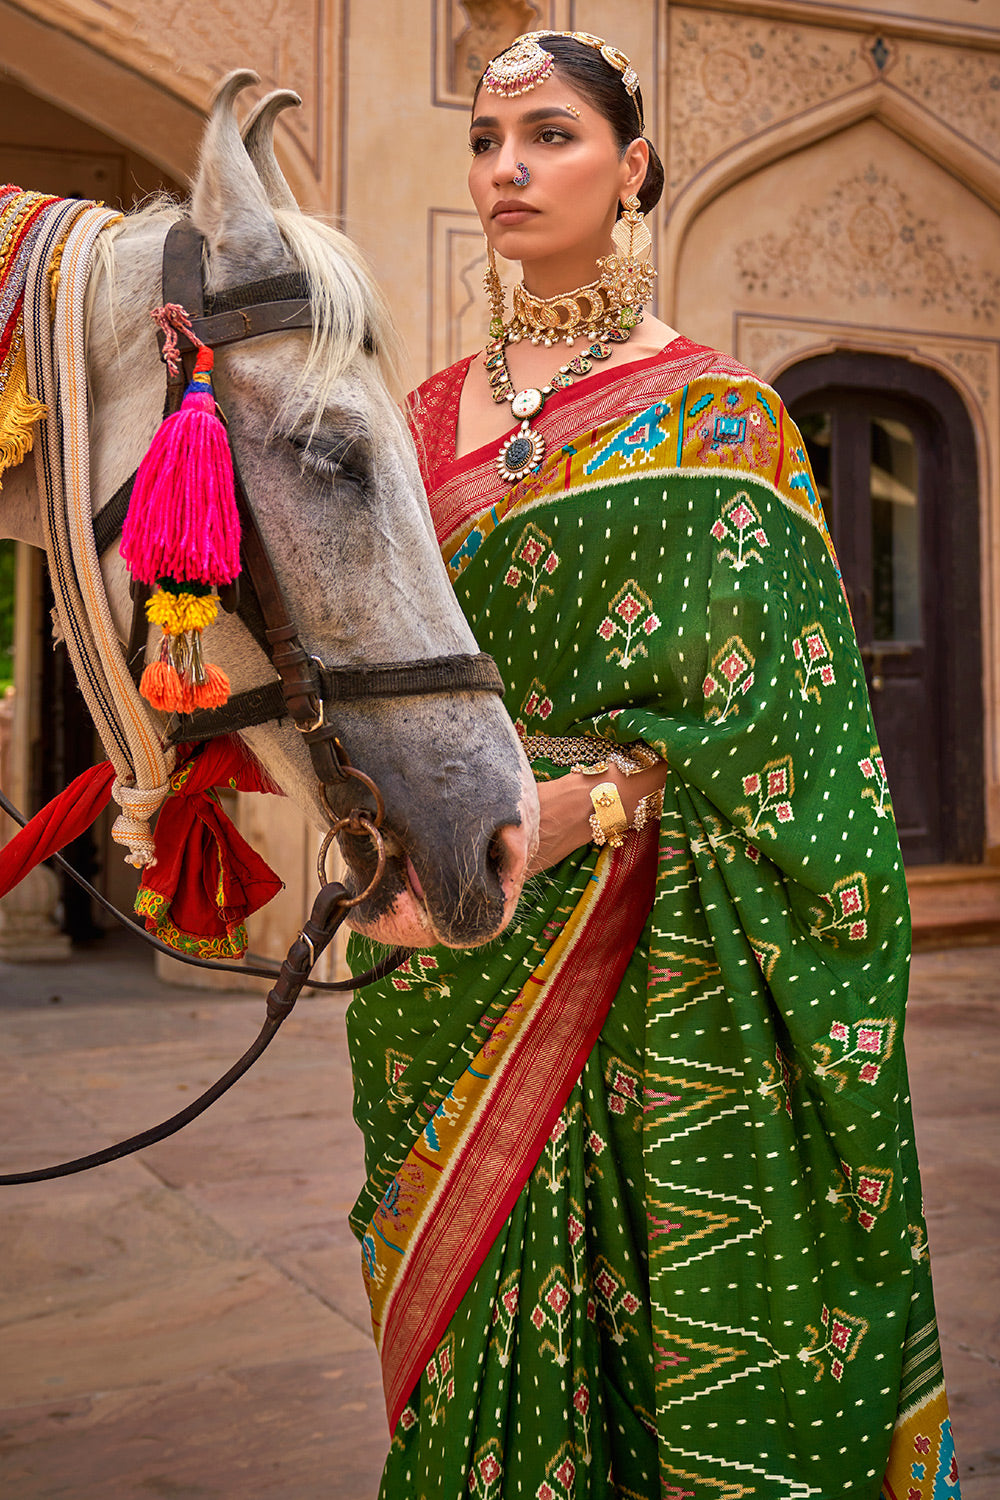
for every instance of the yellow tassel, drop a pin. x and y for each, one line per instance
(178, 613)
(18, 412)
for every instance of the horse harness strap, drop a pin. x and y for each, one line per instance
(54, 342)
(443, 674)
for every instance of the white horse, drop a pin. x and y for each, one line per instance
(331, 474)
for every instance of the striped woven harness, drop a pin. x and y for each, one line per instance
(57, 377)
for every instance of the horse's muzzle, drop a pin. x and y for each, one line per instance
(462, 902)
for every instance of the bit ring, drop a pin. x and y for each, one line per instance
(358, 824)
(379, 815)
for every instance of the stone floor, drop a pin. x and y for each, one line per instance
(191, 1323)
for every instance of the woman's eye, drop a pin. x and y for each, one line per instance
(551, 136)
(480, 144)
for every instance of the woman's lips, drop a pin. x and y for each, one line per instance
(515, 214)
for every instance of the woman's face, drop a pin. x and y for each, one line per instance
(560, 223)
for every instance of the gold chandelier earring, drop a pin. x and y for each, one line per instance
(493, 287)
(626, 275)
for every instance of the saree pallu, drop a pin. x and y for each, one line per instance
(643, 1214)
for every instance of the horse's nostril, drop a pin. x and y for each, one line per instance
(496, 854)
(507, 857)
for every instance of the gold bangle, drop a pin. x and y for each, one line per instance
(608, 822)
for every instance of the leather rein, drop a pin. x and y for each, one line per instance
(304, 689)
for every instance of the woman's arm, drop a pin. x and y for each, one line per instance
(566, 808)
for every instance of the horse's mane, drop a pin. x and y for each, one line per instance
(349, 311)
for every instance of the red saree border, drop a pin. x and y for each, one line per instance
(461, 489)
(551, 1028)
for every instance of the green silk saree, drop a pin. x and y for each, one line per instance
(642, 1215)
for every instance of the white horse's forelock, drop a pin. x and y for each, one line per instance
(349, 311)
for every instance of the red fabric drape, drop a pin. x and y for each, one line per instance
(58, 824)
(206, 880)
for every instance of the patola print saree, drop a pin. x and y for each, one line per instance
(642, 1215)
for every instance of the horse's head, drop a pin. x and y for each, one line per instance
(331, 475)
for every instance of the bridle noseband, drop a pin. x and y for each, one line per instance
(305, 688)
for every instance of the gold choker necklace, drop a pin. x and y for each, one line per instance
(584, 313)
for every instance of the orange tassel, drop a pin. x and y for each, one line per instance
(214, 691)
(161, 687)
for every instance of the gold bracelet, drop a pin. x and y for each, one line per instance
(648, 809)
(608, 822)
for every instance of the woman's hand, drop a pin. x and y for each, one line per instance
(566, 808)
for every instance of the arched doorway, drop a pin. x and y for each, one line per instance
(894, 454)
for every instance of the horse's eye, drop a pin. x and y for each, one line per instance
(344, 457)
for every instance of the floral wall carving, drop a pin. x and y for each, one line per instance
(867, 240)
(960, 86)
(732, 77)
(979, 368)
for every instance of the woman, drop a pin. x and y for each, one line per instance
(642, 1215)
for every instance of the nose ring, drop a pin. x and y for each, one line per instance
(523, 176)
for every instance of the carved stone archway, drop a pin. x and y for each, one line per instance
(879, 101)
(144, 73)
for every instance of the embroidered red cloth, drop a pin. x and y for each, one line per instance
(206, 880)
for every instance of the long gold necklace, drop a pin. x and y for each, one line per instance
(524, 451)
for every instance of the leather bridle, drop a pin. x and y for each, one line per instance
(304, 691)
(306, 686)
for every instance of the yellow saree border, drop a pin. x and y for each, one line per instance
(719, 422)
(444, 1208)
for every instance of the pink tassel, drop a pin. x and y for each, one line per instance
(182, 520)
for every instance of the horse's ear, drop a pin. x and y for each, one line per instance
(228, 201)
(258, 138)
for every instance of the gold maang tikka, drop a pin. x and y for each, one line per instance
(525, 64)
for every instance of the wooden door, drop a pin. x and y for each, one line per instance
(885, 457)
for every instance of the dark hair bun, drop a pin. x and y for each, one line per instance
(652, 184)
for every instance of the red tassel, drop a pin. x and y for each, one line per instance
(182, 520)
